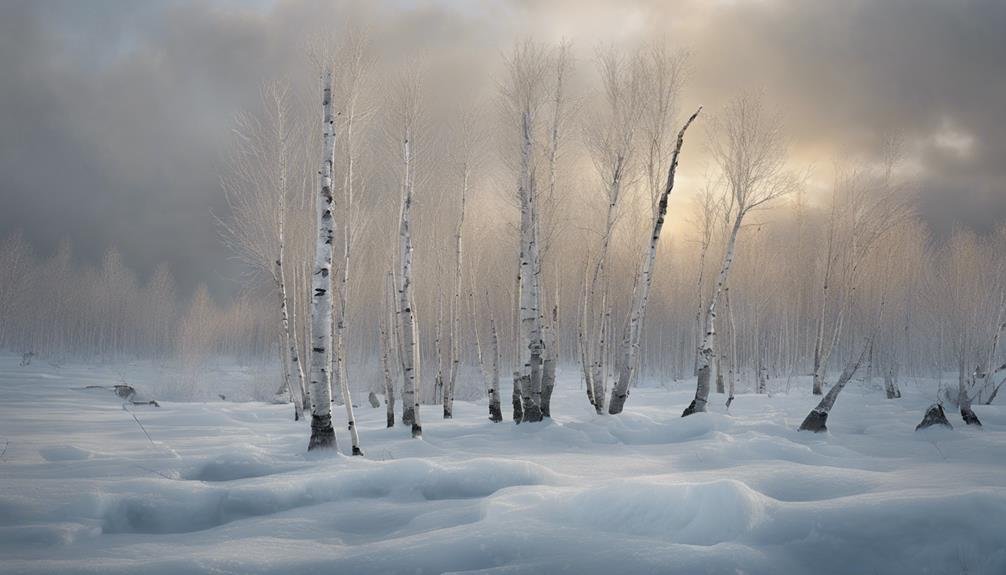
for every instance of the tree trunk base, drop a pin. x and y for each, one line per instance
(934, 416)
(495, 413)
(357, 451)
(532, 413)
(322, 433)
(694, 407)
(374, 402)
(448, 414)
(547, 385)
(391, 420)
(417, 430)
(518, 409)
(617, 403)
(815, 421)
(969, 416)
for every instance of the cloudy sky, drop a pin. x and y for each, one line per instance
(114, 115)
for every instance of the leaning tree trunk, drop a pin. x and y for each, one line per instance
(818, 417)
(409, 352)
(707, 350)
(322, 432)
(641, 293)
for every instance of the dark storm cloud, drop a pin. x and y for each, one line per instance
(114, 115)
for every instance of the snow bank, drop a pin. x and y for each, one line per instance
(224, 487)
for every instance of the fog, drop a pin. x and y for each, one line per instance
(115, 116)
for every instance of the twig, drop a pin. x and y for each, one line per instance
(938, 450)
(137, 420)
(157, 472)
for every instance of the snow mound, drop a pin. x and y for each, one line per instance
(64, 453)
(690, 513)
(154, 506)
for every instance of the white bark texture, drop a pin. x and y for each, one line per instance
(530, 317)
(641, 293)
(409, 350)
(389, 380)
(322, 432)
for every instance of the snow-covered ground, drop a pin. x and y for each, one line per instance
(227, 487)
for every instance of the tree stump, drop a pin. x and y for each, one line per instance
(815, 421)
(934, 416)
(969, 416)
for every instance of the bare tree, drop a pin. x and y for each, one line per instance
(613, 148)
(661, 81)
(523, 94)
(356, 63)
(322, 432)
(257, 187)
(863, 212)
(747, 144)
(551, 211)
(407, 109)
(467, 150)
(387, 319)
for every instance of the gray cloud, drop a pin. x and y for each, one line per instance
(114, 115)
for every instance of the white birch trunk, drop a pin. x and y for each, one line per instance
(438, 380)
(530, 318)
(389, 382)
(341, 326)
(490, 371)
(455, 349)
(707, 349)
(322, 432)
(409, 350)
(641, 293)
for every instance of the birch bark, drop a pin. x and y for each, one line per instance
(322, 432)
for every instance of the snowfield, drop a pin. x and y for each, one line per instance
(227, 487)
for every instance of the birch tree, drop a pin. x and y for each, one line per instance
(747, 145)
(818, 417)
(551, 212)
(863, 212)
(523, 93)
(662, 79)
(388, 318)
(322, 432)
(467, 149)
(612, 144)
(356, 60)
(258, 186)
(407, 109)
